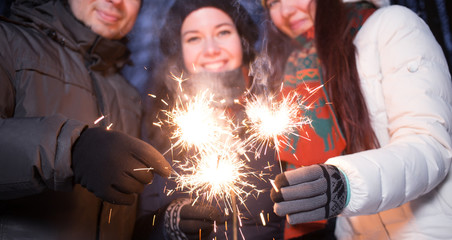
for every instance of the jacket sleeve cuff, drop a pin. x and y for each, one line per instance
(63, 175)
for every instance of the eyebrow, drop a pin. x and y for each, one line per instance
(217, 26)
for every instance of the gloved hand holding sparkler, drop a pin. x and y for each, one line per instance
(183, 220)
(105, 162)
(310, 193)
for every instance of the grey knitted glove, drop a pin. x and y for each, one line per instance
(184, 221)
(310, 193)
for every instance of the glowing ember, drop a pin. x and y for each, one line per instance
(271, 122)
(212, 176)
(263, 219)
(99, 119)
(197, 124)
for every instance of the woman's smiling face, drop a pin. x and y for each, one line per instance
(292, 17)
(210, 41)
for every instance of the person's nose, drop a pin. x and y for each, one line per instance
(212, 47)
(287, 8)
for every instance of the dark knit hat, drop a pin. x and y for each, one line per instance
(170, 38)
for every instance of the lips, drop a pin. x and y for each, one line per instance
(295, 25)
(214, 66)
(107, 16)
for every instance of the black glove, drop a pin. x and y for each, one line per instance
(184, 220)
(310, 193)
(104, 160)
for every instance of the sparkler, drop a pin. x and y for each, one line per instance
(235, 218)
(271, 122)
(197, 124)
(214, 168)
(214, 176)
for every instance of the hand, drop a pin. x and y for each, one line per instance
(310, 193)
(184, 220)
(104, 160)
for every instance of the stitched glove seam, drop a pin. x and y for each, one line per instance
(172, 219)
(328, 188)
(347, 184)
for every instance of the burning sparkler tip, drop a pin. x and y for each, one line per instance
(148, 169)
(274, 185)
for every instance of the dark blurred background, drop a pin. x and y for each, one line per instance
(144, 41)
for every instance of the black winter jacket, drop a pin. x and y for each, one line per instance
(56, 78)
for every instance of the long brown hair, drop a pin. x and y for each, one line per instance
(335, 48)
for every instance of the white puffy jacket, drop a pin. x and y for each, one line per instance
(402, 190)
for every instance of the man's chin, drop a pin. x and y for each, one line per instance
(106, 32)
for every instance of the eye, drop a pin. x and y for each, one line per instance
(192, 39)
(271, 3)
(224, 33)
